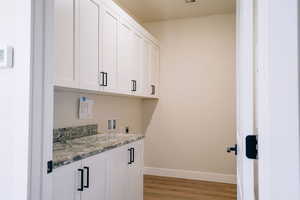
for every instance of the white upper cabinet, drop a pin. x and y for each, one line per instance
(108, 78)
(88, 44)
(66, 74)
(100, 48)
(125, 58)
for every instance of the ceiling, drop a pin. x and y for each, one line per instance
(158, 10)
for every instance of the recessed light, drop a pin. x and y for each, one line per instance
(190, 1)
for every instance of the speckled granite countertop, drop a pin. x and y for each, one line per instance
(80, 148)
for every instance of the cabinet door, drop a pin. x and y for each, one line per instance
(146, 67)
(119, 159)
(109, 49)
(136, 67)
(135, 173)
(95, 177)
(66, 182)
(89, 15)
(154, 70)
(66, 73)
(124, 58)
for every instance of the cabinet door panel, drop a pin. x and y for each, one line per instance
(89, 15)
(97, 168)
(154, 69)
(135, 173)
(66, 181)
(146, 68)
(66, 74)
(124, 58)
(109, 49)
(119, 159)
(136, 67)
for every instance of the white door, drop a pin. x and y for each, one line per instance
(109, 50)
(245, 97)
(124, 58)
(67, 182)
(95, 177)
(278, 99)
(88, 47)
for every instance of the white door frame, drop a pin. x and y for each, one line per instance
(42, 99)
(245, 96)
(278, 109)
(278, 99)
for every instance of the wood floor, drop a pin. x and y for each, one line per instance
(162, 188)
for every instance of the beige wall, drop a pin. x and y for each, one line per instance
(127, 111)
(194, 121)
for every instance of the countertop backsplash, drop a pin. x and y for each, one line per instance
(70, 133)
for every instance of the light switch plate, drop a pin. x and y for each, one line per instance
(6, 57)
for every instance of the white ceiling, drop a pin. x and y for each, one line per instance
(157, 10)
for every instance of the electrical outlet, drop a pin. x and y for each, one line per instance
(112, 124)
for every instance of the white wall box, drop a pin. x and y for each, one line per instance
(101, 49)
(113, 175)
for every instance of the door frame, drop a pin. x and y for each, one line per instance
(42, 99)
(245, 96)
(278, 108)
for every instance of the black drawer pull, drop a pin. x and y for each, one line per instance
(81, 180)
(87, 177)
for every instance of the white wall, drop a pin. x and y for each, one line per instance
(194, 121)
(15, 23)
(127, 111)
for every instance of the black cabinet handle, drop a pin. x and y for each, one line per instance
(87, 177)
(133, 156)
(152, 89)
(106, 81)
(133, 85)
(102, 74)
(130, 156)
(81, 180)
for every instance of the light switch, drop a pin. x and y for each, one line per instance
(6, 57)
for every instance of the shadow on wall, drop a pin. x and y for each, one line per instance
(149, 106)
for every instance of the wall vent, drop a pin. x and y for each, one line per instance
(190, 1)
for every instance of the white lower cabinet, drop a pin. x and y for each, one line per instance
(66, 182)
(113, 175)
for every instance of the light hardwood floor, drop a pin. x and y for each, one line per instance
(162, 188)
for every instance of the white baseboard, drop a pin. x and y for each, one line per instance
(193, 175)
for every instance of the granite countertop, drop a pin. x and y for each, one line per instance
(80, 148)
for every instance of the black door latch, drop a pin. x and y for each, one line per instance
(49, 167)
(251, 146)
